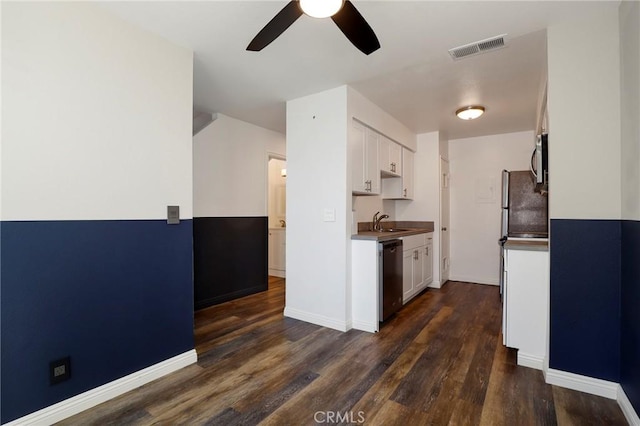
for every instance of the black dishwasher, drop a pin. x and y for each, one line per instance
(390, 278)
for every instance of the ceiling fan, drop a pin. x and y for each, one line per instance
(342, 12)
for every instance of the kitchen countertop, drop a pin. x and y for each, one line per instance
(408, 228)
(531, 245)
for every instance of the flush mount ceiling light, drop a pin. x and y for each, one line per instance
(321, 8)
(470, 112)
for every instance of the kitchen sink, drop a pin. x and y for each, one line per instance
(393, 230)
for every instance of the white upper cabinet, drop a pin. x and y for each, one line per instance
(407, 174)
(372, 166)
(363, 144)
(390, 157)
(400, 188)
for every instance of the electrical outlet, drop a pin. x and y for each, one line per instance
(173, 215)
(59, 370)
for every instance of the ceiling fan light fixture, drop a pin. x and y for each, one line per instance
(470, 112)
(321, 8)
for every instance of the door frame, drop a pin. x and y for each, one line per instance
(444, 258)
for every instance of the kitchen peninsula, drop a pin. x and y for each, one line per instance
(417, 266)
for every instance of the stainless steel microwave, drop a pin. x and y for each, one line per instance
(540, 163)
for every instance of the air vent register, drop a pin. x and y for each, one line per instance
(478, 47)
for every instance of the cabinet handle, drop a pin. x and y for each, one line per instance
(405, 192)
(415, 255)
(426, 251)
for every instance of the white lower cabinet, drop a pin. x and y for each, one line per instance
(427, 263)
(526, 310)
(408, 268)
(417, 264)
(277, 251)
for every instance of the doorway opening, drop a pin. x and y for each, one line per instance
(277, 217)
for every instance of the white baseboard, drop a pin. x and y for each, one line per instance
(435, 284)
(627, 408)
(317, 319)
(475, 280)
(580, 383)
(365, 326)
(593, 386)
(74, 405)
(277, 273)
(531, 361)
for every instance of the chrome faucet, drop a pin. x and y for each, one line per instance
(376, 221)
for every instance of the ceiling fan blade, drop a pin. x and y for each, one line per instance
(276, 26)
(357, 30)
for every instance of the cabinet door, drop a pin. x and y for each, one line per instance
(407, 275)
(372, 166)
(407, 174)
(390, 157)
(272, 250)
(418, 272)
(282, 249)
(357, 147)
(277, 249)
(385, 161)
(427, 264)
(527, 288)
(395, 158)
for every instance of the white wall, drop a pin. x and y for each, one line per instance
(444, 146)
(87, 135)
(476, 165)
(230, 168)
(318, 251)
(365, 206)
(426, 203)
(584, 114)
(630, 102)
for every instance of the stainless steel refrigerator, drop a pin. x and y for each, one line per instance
(524, 210)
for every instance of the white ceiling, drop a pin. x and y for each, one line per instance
(411, 76)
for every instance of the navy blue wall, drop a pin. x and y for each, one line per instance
(116, 296)
(230, 258)
(630, 319)
(585, 297)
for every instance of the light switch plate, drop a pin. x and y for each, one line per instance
(173, 215)
(329, 215)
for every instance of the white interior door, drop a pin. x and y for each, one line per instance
(276, 207)
(444, 220)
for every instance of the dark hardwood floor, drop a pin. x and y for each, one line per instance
(439, 361)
